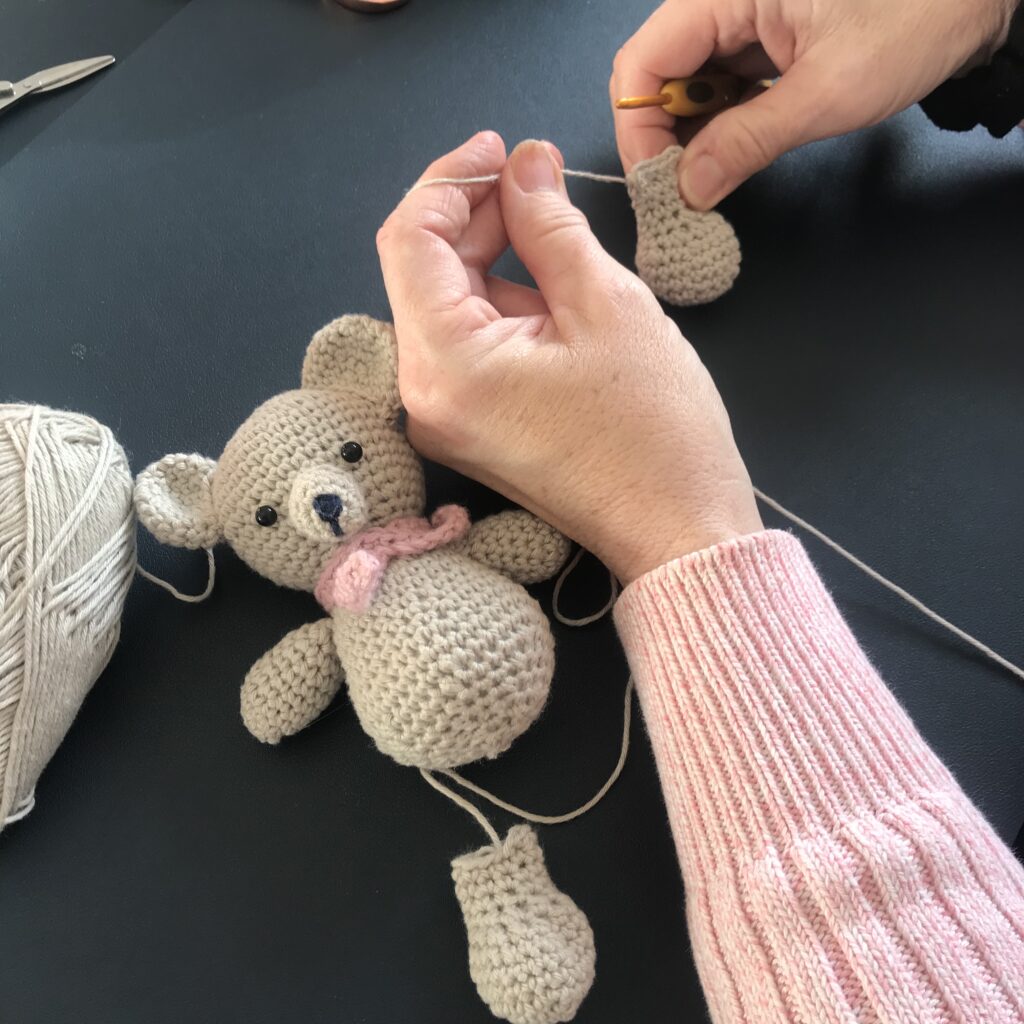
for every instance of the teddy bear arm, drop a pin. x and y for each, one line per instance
(292, 683)
(518, 545)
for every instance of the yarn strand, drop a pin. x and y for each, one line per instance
(559, 819)
(461, 801)
(173, 590)
(490, 179)
(586, 620)
(889, 585)
(23, 810)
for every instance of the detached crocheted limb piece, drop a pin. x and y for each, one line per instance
(834, 870)
(684, 256)
(518, 545)
(531, 950)
(292, 683)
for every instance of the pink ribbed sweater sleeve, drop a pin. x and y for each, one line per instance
(834, 870)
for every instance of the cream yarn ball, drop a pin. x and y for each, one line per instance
(67, 557)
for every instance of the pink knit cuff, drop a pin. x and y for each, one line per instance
(765, 715)
(834, 870)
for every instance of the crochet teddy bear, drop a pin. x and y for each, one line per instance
(446, 657)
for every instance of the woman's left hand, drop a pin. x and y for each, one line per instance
(578, 399)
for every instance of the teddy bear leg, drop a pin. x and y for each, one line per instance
(684, 256)
(531, 949)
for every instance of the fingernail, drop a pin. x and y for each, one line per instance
(702, 182)
(534, 167)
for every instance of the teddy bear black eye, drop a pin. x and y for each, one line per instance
(351, 451)
(266, 515)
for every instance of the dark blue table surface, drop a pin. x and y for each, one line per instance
(37, 34)
(172, 233)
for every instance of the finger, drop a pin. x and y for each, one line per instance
(751, 63)
(674, 42)
(745, 139)
(687, 128)
(480, 156)
(552, 237)
(483, 241)
(425, 277)
(515, 300)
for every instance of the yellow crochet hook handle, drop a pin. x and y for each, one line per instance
(690, 97)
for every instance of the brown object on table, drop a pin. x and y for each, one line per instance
(371, 6)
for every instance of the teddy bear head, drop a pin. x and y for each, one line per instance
(305, 471)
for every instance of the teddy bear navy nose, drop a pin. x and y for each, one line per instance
(328, 507)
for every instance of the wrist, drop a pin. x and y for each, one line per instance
(998, 15)
(1004, 11)
(654, 541)
(631, 564)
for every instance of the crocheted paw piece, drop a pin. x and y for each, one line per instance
(531, 949)
(684, 256)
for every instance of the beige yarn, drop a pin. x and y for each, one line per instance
(531, 949)
(684, 256)
(67, 555)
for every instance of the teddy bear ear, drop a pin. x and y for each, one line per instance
(354, 353)
(174, 501)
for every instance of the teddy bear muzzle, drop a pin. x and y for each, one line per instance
(326, 503)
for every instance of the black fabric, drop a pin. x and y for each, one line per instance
(171, 242)
(991, 95)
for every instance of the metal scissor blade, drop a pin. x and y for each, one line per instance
(64, 74)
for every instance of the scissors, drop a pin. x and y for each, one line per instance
(51, 78)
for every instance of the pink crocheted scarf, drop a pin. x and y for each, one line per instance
(352, 576)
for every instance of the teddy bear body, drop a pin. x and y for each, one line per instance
(454, 673)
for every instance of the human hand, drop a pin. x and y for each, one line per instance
(845, 64)
(580, 399)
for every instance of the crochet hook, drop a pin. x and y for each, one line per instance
(690, 97)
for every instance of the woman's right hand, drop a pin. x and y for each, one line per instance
(844, 64)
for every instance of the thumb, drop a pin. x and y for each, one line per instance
(745, 139)
(550, 235)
